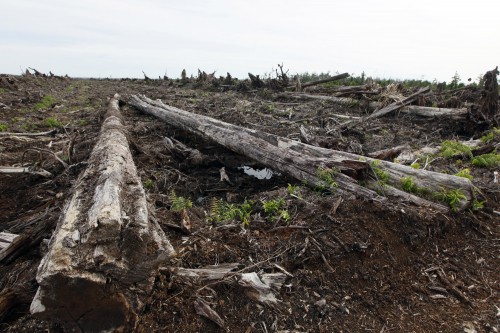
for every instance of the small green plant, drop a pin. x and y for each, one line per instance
(179, 203)
(272, 206)
(487, 160)
(82, 122)
(381, 175)
(294, 191)
(46, 103)
(465, 173)
(53, 122)
(284, 215)
(328, 175)
(490, 136)
(408, 185)
(452, 198)
(477, 205)
(451, 148)
(416, 165)
(148, 184)
(275, 209)
(221, 211)
(3, 128)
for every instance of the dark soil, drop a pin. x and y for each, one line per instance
(366, 267)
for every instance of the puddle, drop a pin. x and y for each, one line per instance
(259, 173)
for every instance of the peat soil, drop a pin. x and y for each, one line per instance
(351, 265)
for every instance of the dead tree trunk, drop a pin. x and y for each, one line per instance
(330, 79)
(317, 166)
(398, 105)
(106, 245)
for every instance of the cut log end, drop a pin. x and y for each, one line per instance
(83, 303)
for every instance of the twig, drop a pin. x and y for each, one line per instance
(52, 132)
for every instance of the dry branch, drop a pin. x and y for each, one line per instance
(303, 161)
(28, 170)
(106, 245)
(48, 133)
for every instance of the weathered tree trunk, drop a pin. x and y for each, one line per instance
(106, 246)
(398, 105)
(330, 79)
(302, 161)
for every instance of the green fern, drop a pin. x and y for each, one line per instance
(179, 203)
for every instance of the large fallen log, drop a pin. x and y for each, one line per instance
(330, 79)
(315, 165)
(398, 104)
(106, 246)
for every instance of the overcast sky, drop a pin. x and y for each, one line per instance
(385, 38)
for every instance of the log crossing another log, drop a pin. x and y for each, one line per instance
(106, 246)
(307, 163)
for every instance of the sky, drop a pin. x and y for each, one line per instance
(385, 38)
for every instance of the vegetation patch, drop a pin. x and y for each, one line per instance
(452, 198)
(179, 203)
(487, 160)
(381, 175)
(223, 212)
(53, 122)
(46, 103)
(492, 135)
(3, 127)
(452, 148)
(327, 175)
(465, 173)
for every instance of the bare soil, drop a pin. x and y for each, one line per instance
(366, 267)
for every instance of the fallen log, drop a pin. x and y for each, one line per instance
(398, 104)
(315, 165)
(106, 246)
(429, 112)
(421, 111)
(330, 79)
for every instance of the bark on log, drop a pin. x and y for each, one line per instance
(300, 160)
(106, 246)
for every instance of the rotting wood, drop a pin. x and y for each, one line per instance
(6, 238)
(390, 153)
(300, 160)
(25, 241)
(106, 246)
